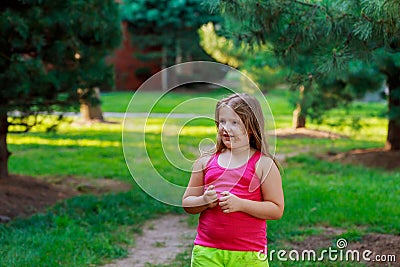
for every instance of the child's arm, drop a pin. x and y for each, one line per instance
(272, 206)
(195, 200)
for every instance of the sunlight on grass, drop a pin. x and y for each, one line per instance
(61, 142)
(172, 127)
(318, 193)
(74, 139)
(372, 129)
(198, 130)
(114, 127)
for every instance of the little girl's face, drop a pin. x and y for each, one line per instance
(231, 129)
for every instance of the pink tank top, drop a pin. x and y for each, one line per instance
(236, 231)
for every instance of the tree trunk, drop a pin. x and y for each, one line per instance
(393, 136)
(89, 111)
(299, 118)
(4, 153)
(164, 73)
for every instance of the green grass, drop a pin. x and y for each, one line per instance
(183, 102)
(82, 231)
(94, 152)
(162, 102)
(116, 101)
(90, 230)
(366, 116)
(338, 195)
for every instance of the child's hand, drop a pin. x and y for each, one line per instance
(229, 202)
(210, 197)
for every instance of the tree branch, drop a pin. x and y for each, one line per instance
(366, 17)
(5, 56)
(310, 5)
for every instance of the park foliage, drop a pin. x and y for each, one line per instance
(49, 50)
(338, 50)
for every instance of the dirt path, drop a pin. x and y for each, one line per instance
(162, 239)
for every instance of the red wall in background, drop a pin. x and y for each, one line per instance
(130, 72)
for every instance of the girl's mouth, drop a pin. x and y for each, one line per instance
(227, 136)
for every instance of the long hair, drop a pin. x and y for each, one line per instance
(249, 110)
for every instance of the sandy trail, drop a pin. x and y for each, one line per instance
(162, 239)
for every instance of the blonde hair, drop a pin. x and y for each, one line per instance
(249, 110)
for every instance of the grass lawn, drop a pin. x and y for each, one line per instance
(182, 102)
(160, 102)
(88, 230)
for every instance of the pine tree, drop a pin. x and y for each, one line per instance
(320, 39)
(49, 49)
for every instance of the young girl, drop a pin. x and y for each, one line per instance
(236, 189)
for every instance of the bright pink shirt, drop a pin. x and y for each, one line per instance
(236, 231)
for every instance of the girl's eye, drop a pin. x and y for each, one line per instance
(234, 122)
(222, 121)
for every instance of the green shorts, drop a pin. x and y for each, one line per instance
(213, 257)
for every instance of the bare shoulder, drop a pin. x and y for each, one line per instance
(201, 163)
(266, 166)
